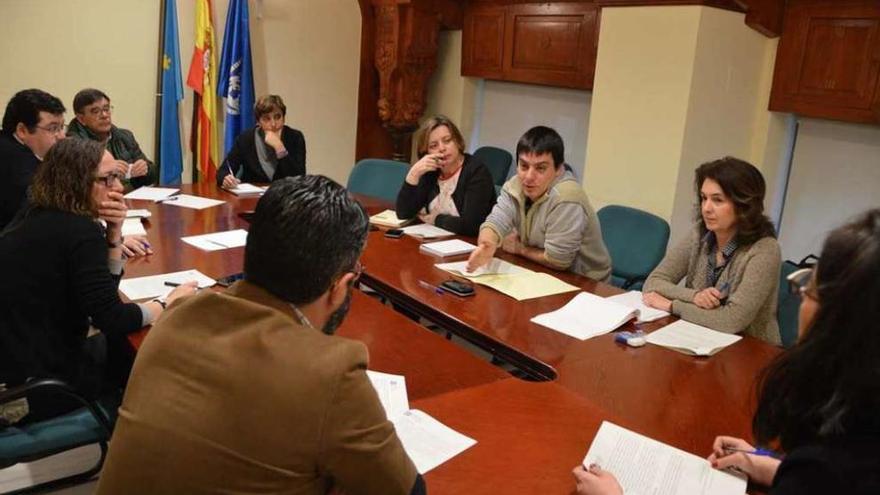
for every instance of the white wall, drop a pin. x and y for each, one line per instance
(307, 51)
(510, 109)
(835, 174)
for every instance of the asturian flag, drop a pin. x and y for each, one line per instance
(170, 152)
(236, 83)
(202, 78)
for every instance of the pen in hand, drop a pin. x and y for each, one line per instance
(169, 283)
(758, 451)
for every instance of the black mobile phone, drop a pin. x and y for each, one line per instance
(458, 288)
(394, 233)
(230, 279)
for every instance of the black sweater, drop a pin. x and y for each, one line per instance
(850, 464)
(474, 197)
(17, 166)
(244, 153)
(55, 279)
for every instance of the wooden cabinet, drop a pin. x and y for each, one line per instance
(828, 61)
(550, 43)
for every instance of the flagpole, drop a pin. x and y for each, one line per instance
(160, 69)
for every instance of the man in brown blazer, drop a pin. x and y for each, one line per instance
(248, 391)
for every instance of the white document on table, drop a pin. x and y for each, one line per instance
(391, 390)
(154, 285)
(452, 247)
(494, 267)
(245, 188)
(633, 299)
(586, 315)
(690, 338)
(644, 466)
(194, 202)
(151, 193)
(427, 441)
(138, 214)
(218, 240)
(426, 231)
(133, 226)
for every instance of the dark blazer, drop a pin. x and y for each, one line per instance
(17, 167)
(848, 464)
(56, 280)
(474, 197)
(244, 153)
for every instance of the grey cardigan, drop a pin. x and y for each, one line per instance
(753, 275)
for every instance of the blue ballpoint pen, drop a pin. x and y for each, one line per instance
(434, 288)
(724, 290)
(758, 451)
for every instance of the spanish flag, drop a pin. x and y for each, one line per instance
(202, 79)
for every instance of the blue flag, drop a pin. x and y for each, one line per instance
(170, 151)
(235, 83)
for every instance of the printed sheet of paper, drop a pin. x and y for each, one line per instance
(151, 193)
(218, 240)
(586, 315)
(494, 267)
(426, 231)
(391, 390)
(246, 188)
(138, 214)
(524, 286)
(133, 226)
(690, 338)
(194, 202)
(154, 285)
(633, 299)
(387, 218)
(428, 442)
(644, 466)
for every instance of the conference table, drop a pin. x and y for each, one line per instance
(529, 433)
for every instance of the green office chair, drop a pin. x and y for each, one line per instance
(87, 425)
(497, 161)
(636, 241)
(378, 178)
(788, 306)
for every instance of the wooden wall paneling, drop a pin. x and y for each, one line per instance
(373, 139)
(828, 62)
(483, 42)
(764, 16)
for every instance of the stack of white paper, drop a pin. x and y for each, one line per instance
(154, 285)
(245, 188)
(151, 193)
(494, 267)
(426, 231)
(451, 247)
(194, 202)
(645, 466)
(633, 299)
(138, 214)
(388, 218)
(218, 240)
(133, 226)
(392, 392)
(586, 315)
(690, 338)
(427, 441)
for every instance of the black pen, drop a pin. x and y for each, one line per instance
(171, 284)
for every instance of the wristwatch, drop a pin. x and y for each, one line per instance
(161, 303)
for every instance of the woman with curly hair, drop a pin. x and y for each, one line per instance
(729, 262)
(62, 269)
(818, 413)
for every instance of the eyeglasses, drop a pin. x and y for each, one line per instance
(95, 111)
(110, 178)
(800, 282)
(54, 128)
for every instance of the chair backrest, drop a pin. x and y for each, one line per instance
(378, 178)
(636, 241)
(788, 306)
(497, 160)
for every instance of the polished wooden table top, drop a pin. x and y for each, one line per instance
(431, 364)
(530, 434)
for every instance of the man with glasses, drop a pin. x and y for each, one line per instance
(94, 121)
(248, 390)
(32, 123)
